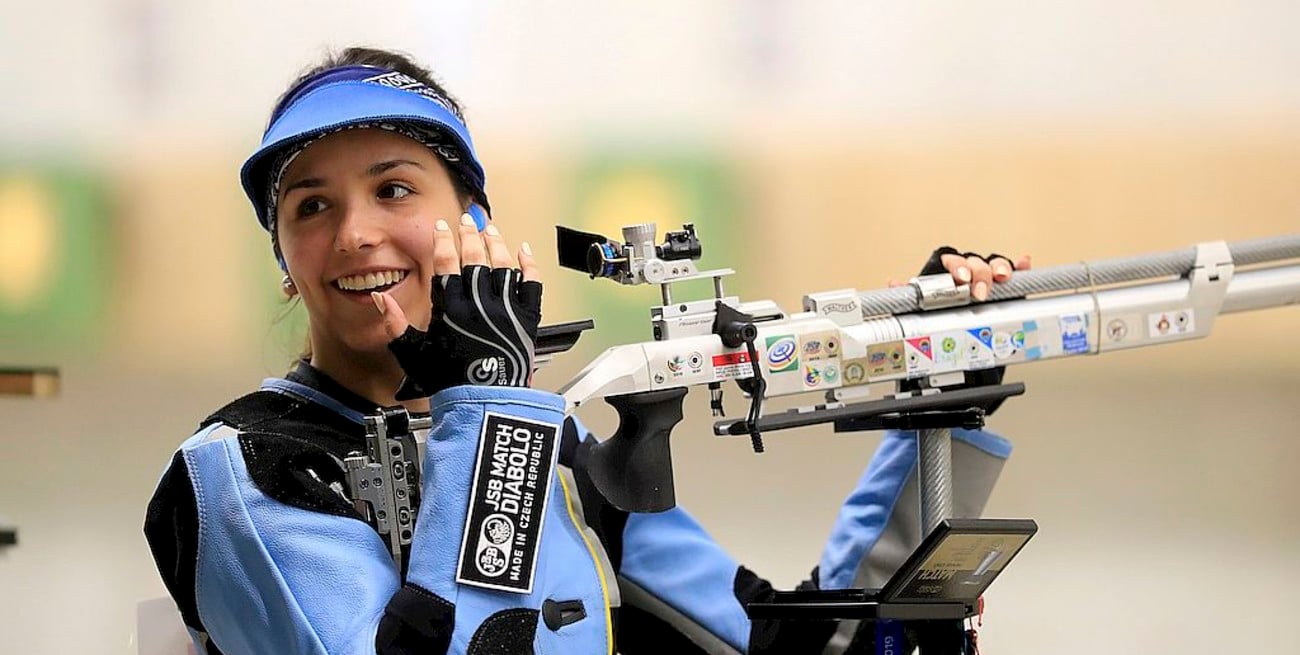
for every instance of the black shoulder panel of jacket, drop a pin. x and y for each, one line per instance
(296, 472)
(277, 413)
(416, 622)
(253, 408)
(171, 527)
(294, 449)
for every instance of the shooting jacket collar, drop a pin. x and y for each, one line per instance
(309, 383)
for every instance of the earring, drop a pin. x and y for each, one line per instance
(286, 285)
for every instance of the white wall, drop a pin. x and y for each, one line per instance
(111, 68)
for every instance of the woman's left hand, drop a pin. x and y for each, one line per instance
(969, 268)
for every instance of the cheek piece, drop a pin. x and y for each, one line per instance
(356, 97)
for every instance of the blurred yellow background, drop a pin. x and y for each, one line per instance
(815, 146)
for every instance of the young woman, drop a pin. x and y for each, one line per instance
(375, 202)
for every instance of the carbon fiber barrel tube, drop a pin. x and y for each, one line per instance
(903, 300)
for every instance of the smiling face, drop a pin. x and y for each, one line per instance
(356, 214)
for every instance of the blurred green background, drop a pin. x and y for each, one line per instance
(814, 145)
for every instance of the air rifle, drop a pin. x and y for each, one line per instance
(926, 337)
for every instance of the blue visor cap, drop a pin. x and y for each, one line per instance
(357, 95)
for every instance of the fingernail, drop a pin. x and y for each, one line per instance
(1002, 270)
(466, 219)
(492, 230)
(528, 250)
(379, 302)
(981, 291)
(441, 226)
(963, 274)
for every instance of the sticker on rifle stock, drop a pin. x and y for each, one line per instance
(855, 371)
(812, 375)
(512, 482)
(731, 366)
(1171, 324)
(831, 373)
(920, 355)
(885, 359)
(680, 367)
(1008, 344)
(1033, 349)
(979, 348)
(782, 353)
(949, 351)
(1074, 333)
(821, 374)
(819, 345)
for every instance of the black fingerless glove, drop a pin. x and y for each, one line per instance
(483, 332)
(934, 265)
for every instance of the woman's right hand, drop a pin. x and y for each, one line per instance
(485, 315)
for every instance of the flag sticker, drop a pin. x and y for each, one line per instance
(729, 366)
(920, 355)
(979, 348)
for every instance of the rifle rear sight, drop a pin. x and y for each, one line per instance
(637, 259)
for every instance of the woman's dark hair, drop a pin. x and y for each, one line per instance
(390, 59)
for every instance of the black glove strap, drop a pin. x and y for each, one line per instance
(934, 265)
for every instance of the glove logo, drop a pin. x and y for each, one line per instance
(484, 371)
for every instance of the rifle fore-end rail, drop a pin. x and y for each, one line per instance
(845, 340)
